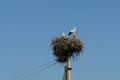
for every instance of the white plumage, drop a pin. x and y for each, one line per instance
(72, 32)
(63, 34)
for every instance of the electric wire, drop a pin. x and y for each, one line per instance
(36, 72)
(33, 71)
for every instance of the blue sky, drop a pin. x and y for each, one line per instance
(28, 26)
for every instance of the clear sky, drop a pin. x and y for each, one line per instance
(28, 26)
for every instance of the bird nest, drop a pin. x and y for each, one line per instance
(64, 47)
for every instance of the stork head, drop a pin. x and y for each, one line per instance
(74, 28)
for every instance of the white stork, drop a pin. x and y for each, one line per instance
(63, 34)
(72, 32)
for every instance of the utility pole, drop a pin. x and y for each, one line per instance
(69, 68)
(67, 71)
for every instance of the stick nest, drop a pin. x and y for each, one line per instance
(64, 47)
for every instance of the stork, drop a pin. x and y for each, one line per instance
(72, 32)
(63, 34)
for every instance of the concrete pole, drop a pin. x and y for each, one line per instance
(67, 72)
(69, 69)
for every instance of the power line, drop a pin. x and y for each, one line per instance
(33, 71)
(36, 72)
